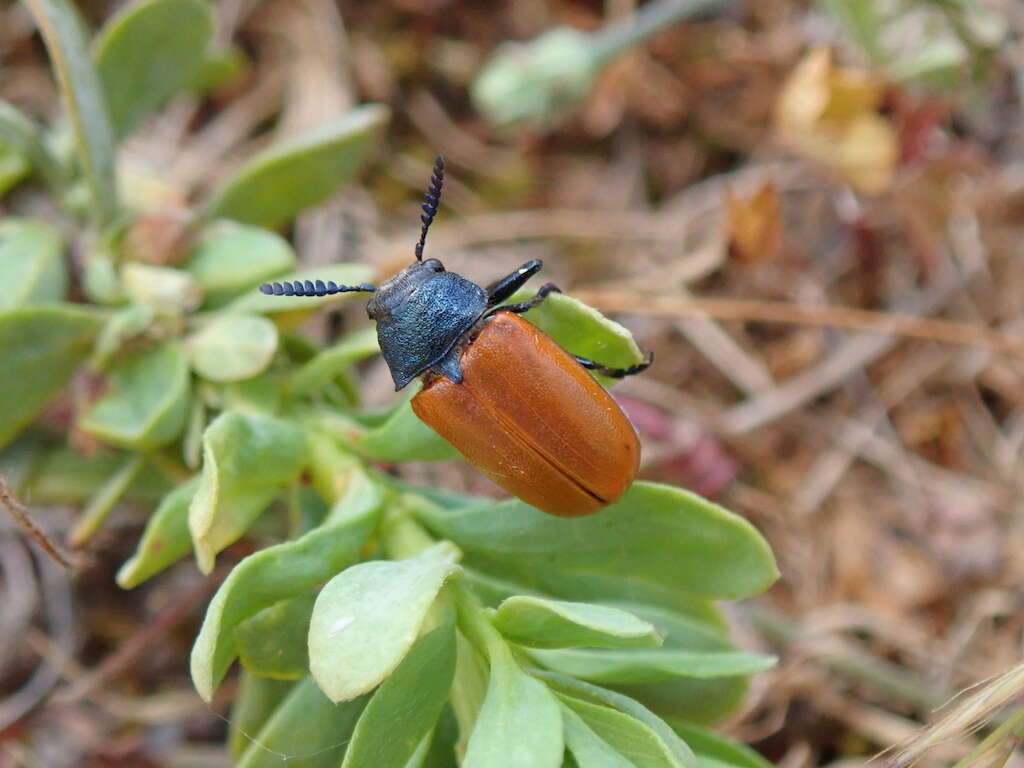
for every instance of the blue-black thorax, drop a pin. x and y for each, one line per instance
(421, 314)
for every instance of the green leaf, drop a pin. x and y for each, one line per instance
(62, 476)
(305, 731)
(629, 737)
(273, 642)
(66, 42)
(100, 505)
(165, 540)
(367, 617)
(708, 745)
(680, 753)
(636, 665)
(520, 723)
(405, 708)
(583, 331)
(219, 67)
(166, 289)
(247, 459)
(655, 534)
(32, 269)
(544, 623)
(147, 403)
(20, 134)
(327, 365)
(403, 437)
(40, 347)
(275, 185)
(232, 347)
(343, 274)
(256, 701)
(231, 258)
(282, 571)
(146, 53)
(13, 168)
(589, 749)
(121, 327)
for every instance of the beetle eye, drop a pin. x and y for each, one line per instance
(434, 265)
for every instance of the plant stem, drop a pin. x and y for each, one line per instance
(615, 38)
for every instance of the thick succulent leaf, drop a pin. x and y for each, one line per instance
(146, 53)
(577, 689)
(583, 331)
(165, 540)
(282, 571)
(232, 347)
(544, 623)
(147, 402)
(636, 665)
(247, 459)
(587, 748)
(21, 136)
(231, 258)
(32, 269)
(317, 372)
(343, 274)
(14, 167)
(405, 708)
(121, 327)
(705, 701)
(305, 730)
(40, 347)
(711, 747)
(629, 737)
(520, 722)
(82, 94)
(367, 617)
(255, 702)
(403, 437)
(275, 185)
(655, 533)
(273, 642)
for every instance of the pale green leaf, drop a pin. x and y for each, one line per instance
(232, 346)
(589, 749)
(255, 702)
(629, 737)
(232, 258)
(272, 643)
(32, 269)
(636, 665)
(165, 539)
(544, 623)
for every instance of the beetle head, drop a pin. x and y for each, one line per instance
(398, 290)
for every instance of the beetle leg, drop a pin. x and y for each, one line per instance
(501, 289)
(615, 373)
(526, 306)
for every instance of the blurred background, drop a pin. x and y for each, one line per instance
(813, 213)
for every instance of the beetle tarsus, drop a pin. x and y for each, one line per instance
(501, 289)
(526, 306)
(616, 373)
(430, 202)
(312, 288)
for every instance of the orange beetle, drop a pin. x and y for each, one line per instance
(515, 404)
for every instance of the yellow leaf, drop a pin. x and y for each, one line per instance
(755, 224)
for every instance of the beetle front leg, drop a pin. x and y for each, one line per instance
(615, 373)
(501, 289)
(526, 306)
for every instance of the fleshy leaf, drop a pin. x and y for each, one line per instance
(305, 730)
(680, 753)
(247, 459)
(82, 94)
(631, 738)
(544, 623)
(32, 267)
(318, 372)
(147, 403)
(255, 702)
(589, 749)
(637, 665)
(711, 747)
(165, 540)
(520, 722)
(20, 134)
(146, 53)
(232, 347)
(231, 258)
(40, 347)
(405, 708)
(62, 476)
(367, 617)
(282, 571)
(13, 168)
(275, 185)
(403, 437)
(273, 642)
(655, 534)
(121, 327)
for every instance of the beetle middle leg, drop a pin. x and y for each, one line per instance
(615, 373)
(526, 306)
(501, 289)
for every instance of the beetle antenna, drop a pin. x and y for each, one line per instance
(430, 201)
(312, 288)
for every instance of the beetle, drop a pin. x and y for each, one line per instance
(515, 404)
